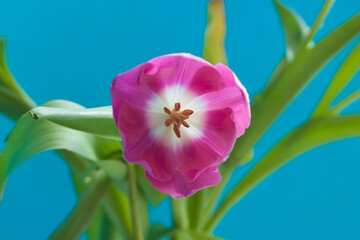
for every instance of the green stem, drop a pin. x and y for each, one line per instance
(80, 217)
(196, 208)
(346, 102)
(180, 216)
(134, 204)
(319, 20)
(117, 208)
(213, 198)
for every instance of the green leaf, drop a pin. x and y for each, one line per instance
(97, 121)
(96, 228)
(157, 232)
(81, 215)
(2, 187)
(11, 104)
(316, 132)
(343, 76)
(214, 50)
(31, 137)
(7, 82)
(150, 193)
(5, 77)
(117, 172)
(117, 208)
(295, 28)
(191, 234)
(288, 84)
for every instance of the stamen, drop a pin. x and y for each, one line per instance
(185, 124)
(187, 112)
(177, 118)
(168, 122)
(176, 131)
(167, 110)
(177, 106)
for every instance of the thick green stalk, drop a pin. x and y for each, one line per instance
(180, 215)
(117, 208)
(196, 208)
(136, 219)
(80, 217)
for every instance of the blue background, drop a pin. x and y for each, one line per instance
(73, 49)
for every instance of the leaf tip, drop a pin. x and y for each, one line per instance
(33, 115)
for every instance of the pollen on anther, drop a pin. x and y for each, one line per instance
(168, 122)
(185, 124)
(177, 106)
(176, 131)
(167, 110)
(187, 112)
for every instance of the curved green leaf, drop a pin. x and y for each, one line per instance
(31, 137)
(5, 77)
(11, 104)
(295, 28)
(8, 82)
(214, 50)
(97, 121)
(287, 85)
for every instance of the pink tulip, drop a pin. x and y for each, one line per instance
(179, 117)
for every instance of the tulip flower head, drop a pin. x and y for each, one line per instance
(179, 117)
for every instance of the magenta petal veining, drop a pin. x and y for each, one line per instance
(179, 117)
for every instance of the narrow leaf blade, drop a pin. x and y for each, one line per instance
(343, 76)
(295, 29)
(214, 50)
(97, 121)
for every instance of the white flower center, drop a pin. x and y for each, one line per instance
(175, 97)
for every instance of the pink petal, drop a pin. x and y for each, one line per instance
(194, 165)
(213, 147)
(125, 89)
(234, 95)
(177, 188)
(184, 69)
(206, 79)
